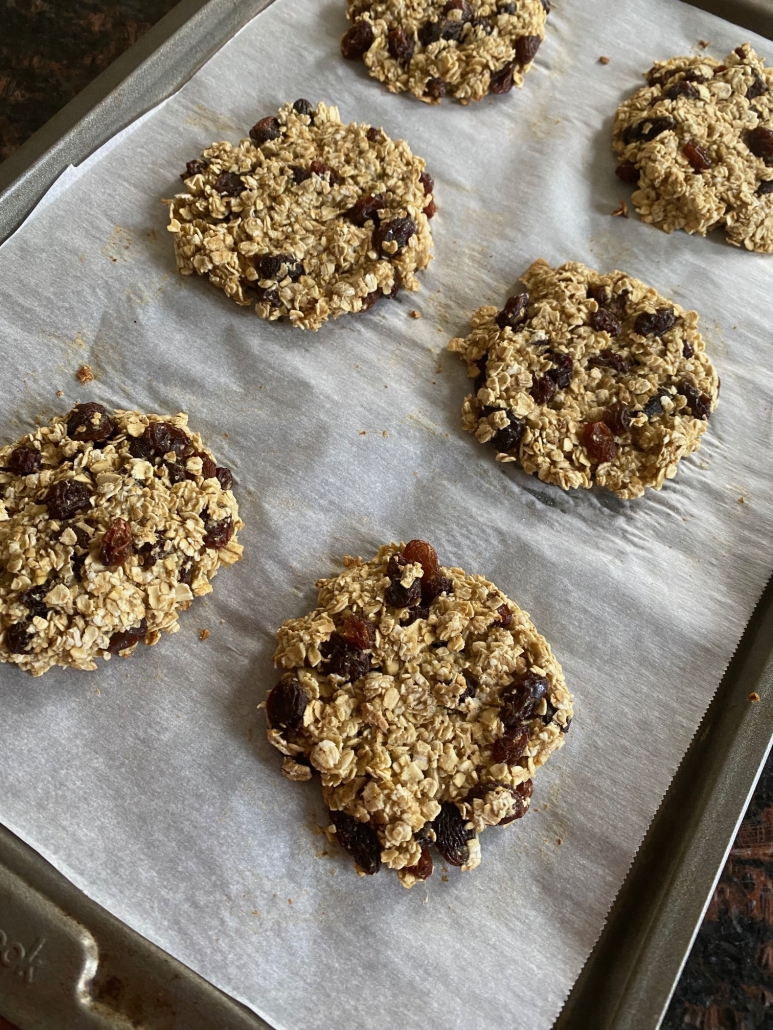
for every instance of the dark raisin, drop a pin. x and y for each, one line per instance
(359, 632)
(360, 840)
(484, 24)
(603, 321)
(628, 173)
(757, 88)
(66, 498)
(653, 407)
(698, 156)
(351, 663)
(304, 107)
(450, 835)
(506, 8)
(618, 418)
(286, 704)
(435, 88)
(542, 389)
(458, 5)
(561, 372)
(90, 422)
(32, 599)
(519, 808)
(185, 573)
(17, 639)
(612, 360)
(139, 447)
(208, 468)
(434, 586)
(398, 596)
(525, 789)
(323, 171)
(565, 729)
(228, 184)
(514, 311)
(423, 868)
(175, 471)
(658, 125)
(357, 41)
(452, 30)
(398, 231)
(396, 565)
(278, 267)
(546, 4)
(261, 132)
(505, 615)
(655, 323)
(165, 437)
(502, 81)
(218, 533)
(299, 174)
(470, 690)
(509, 748)
(195, 167)
(526, 48)
(632, 134)
(600, 293)
(599, 442)
(116, 543)
(400, 45)
(423, 837)
(427, 183)
(24, 461)
(365, 209)
(149, 554)
(124, 639)
(509, 438)
(687, 351)
(374, 135)
(699, 404)
(430, 210)
(760, 142)
(224, 477)
(430, 32)
(765, 187)
(265, 295)
(521, 698)
(682, 89)
(424, 553)
(419, 611)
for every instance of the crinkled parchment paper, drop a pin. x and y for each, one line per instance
(149, 783)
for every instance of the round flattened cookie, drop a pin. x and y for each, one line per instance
(697, 142)
(426, 700)
(308, 219)
(459, 48)
(587, 378)
(110, 524)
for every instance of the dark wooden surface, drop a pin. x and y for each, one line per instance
(49, 50)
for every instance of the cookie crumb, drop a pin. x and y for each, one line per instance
(559, 841)
(415, 314)
(204, 634)
(754, 697)
(385, 434)
(603, 60)
(742, 500)
(703, 43)
(60, 393)
(622, 211)
(85, 374)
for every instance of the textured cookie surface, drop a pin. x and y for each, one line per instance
(460, 48)
(587, 378)
(697, 142)
(110, 524)
(308, 219)
(425, 698)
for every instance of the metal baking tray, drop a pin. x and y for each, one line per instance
(68, 964)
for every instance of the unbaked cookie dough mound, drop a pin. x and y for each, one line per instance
(308, 219)
(460, 48)
(110, 525)
(425, 699)
(588, 379)
(697, 142)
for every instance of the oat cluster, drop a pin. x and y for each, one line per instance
(426, 700)
(697, 142)
(588, 379)
(110, 525)
(308, 219)
(459, 48)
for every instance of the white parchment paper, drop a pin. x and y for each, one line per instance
(149, 783)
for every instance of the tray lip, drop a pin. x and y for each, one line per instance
(648, 967)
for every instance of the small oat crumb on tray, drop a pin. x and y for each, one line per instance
(426, 701)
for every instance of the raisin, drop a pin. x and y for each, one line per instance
(32, 599)
(687, 351)
(693, 76)
(286, 704)
(323, 171)
(299, 174)
(505, 615)
(365, 209)
(542, 389)
(435, 88)
(698, 156)
(396, 565)
(423, 868)
(357, 40)
(521, 698)
(224, 477)
(90, 422)
(628, 173)
(458, 5)
(139, 447)
(418, 611)
(757, 88)
(452, 30)
(470, 690)
(360, 840)
(261, 132)
(185, 573)
(699, 404)
(600, 293)
(195, 167)
(599, 442)
(175, 472)
(398, 596)
(561, 372)
(116, 543)
(279, 267)
(265, 295)
(165, 437)
(66, 498)
(484, 24)
(374, 135)
(208, 468)
(124, 639)
(351, 663)
(618, 418)
(513, 312)
(632, 134)
(427, 183)
(519, 808)
(658, 125)
(760, 142)
(526, 48)
(502, 81)
(217, 534)
(682, 89)
(430, 32)
(359, 632)
(546, 4)
(17, 639)
(24, 461)
(654, 323)
(525, 789)
(434, 586)
(430, 210)
(509, 438)
(423, 837)
(150, 553)
(603, 321)
(423, 553)
(506, 8)
(653, 407)
(228, 184)
(450, 835)
(612, 360)
(398, 231)
(400, 45)
(304, 107)
(765, 187)
(509, 748)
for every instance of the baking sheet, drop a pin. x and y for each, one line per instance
(149, 783)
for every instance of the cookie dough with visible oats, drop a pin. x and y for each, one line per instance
(426, 700)
(308, 219)
(697, 142)
(459, 48)
(110, 524)
(588, 379)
